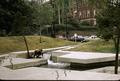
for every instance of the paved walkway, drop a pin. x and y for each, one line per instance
(14, 54)
(107, 69)
(37, 73)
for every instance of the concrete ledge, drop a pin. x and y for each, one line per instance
(55, 55)
(87, 59)
(18, 63)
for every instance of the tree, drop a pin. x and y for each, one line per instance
(108, 22)
(59, 4)
(52, 2)
(78, 8)
(10, 10)
(41, 15)
(60, 10)
(66, 8)
(15, 18)
(27, 47)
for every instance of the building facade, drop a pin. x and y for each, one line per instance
(82, 11)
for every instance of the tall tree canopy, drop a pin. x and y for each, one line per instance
(15, 17)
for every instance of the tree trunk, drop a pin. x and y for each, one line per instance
(53, 21)
(59, 15)
(28, 54)
(77, 5)
(78, 11)
(117, 41)
(66, 27)
(40, 34)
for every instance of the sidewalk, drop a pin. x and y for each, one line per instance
(37, 73)
(14, 54)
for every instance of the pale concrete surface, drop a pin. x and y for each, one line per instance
(107, 69)
(35, 73)
(21, 62)
(86, 57)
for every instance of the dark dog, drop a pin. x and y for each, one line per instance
(38, 53)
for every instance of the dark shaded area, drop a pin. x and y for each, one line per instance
(78, 66)
(15, 17)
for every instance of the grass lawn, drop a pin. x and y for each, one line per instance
(96, 46)
(16, 43)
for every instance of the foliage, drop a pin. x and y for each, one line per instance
(108, 19)
(74, 22)
(86, 23)
(42, 13)
(15, 16)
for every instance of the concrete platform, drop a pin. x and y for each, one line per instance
(55, 55)
(35, 73)
(87, 58)
(18, 63)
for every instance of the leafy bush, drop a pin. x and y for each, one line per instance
(85, 23)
